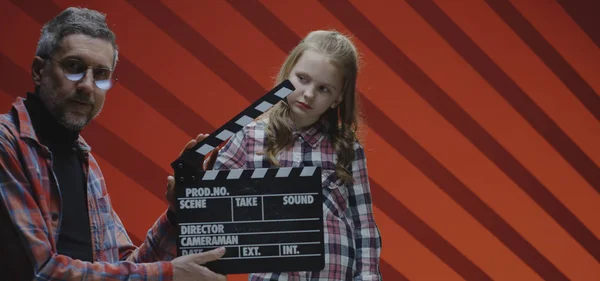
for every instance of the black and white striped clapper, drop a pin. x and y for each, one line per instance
(193, 157)
(269, 220)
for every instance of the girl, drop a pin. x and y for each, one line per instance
(317, 127)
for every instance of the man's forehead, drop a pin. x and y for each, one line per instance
(87, 48)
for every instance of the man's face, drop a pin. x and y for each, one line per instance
(74, 103)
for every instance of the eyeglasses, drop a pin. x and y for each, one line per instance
(74, 70)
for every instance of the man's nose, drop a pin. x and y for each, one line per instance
(87, 82)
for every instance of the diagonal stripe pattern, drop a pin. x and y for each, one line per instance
(564, 206)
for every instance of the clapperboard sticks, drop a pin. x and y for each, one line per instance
(190, 161)
(257, 173)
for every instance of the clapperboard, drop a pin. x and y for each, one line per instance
(269, 220)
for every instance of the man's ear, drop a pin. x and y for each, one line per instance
(37, 69)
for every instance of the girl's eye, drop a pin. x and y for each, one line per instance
(301, 78)
(325, 90)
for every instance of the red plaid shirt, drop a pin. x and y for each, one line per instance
(352, 239)
(29, 192)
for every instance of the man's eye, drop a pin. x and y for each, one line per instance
(102, 74)
(73, 66)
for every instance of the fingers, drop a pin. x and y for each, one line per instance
(170, 182)
(191, 267)
(211, 255)
(170, 189)
(189, 145)
(193, 142)
(200, 137)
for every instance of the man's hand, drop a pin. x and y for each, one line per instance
(170, 195)
(191, 267)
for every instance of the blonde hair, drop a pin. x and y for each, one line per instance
(342, 122)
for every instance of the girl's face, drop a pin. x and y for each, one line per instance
(318, 87)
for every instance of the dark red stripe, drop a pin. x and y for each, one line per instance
(185, 35)
(14, 80)
(41, 12)
(585, 14)
(159, 98)
(561, 68)
(388, 271)
(286, 39)
(103, 142)
(358, 24)
(127, 159)
(267, 23)
(506, 87)
(134, 79)
(543, 124)
(423, 233)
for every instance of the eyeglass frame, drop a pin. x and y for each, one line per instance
(111, 78)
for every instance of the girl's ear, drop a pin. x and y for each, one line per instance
(336, 102)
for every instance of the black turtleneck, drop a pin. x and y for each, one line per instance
(74, 239)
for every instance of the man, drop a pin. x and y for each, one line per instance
(57, 222)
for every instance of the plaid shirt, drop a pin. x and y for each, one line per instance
(29, 192)
(352, 239)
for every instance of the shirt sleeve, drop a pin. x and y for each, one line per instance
(23, 199)
(160, 243)
(234, 154)
(367, 236)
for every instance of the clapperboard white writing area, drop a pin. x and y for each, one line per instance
(269, 220)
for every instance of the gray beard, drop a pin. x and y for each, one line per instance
(57, 108)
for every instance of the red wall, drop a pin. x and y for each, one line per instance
(482, 117)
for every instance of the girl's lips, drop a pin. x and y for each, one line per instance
(303, 105)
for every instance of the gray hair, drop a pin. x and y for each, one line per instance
(75, 21)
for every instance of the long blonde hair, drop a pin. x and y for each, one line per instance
(342, 122)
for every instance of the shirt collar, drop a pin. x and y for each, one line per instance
(314, 134)
(26, 129)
